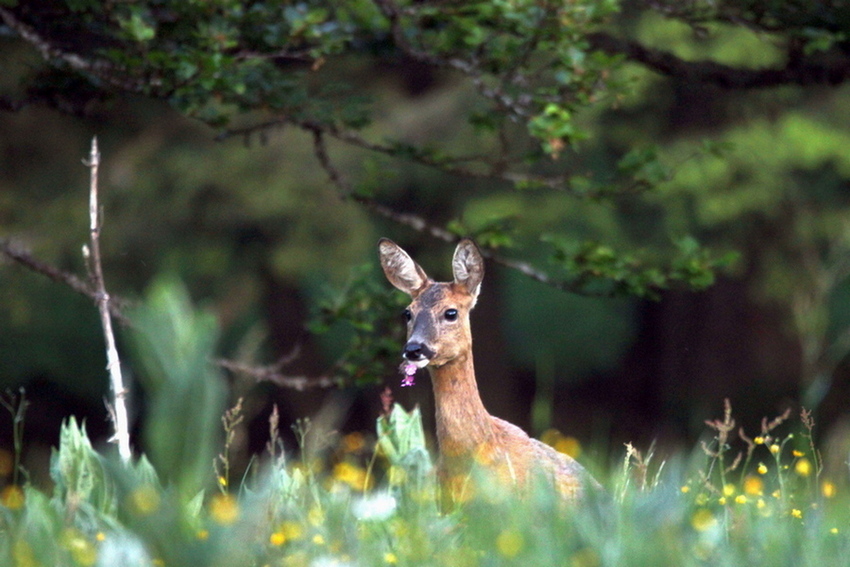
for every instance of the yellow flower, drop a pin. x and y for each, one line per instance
(390, 557)
(82, 550)
(828, 489)
(762, 469)
(509, 543)
(319, 539)
(797, 453)
(703, 519)
(797, 513)
(12, 497)
(729, 489)
(144, 499)
(741, 499)
(776, 494)
(774, 448)
(759, 440)
(685, 489)
(803, 467)
(315, 516)
(833, 531)
(353, 442)
(100, 536)
(292, 530)
(760, 504)
(722, 501)
(753, 485)
(224, 509)
(352, 475)
(568, 446)
(277, 538)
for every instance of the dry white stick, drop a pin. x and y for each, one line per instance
(118, 409)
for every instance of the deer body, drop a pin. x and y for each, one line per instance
(440, 339)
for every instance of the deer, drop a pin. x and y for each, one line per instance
(439, 338)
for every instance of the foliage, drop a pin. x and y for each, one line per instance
(776, 505)
(175, 345)
(244, 68)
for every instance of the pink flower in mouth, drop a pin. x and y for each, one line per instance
(409, 370)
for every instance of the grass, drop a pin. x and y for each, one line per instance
(736, 499)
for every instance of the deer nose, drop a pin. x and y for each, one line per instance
(414, 351)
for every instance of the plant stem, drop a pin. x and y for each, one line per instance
(119, 393)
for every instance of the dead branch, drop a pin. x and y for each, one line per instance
(118, 407)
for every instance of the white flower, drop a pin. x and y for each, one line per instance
(375, 507)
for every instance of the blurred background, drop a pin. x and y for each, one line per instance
(262, 238)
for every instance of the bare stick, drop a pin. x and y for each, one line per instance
(118, 410)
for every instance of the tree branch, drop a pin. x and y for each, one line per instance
(118, 407)
(419, 224)
(103, 70)
(271, 373)
(802, 71)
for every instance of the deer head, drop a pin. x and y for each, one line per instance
(438, 329)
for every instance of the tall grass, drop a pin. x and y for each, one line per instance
(737, 499)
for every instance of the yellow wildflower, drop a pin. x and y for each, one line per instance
(828, 489)
(729, 489)
(797, 513)
(741, 499)
(12, 497)
(315, 516)
(82, 550)
(352, 475)
(353, 442)
(759, 440)
(277, 538)
(762, 468)
(144, 499)
(319, 539)
(390, 557)
(703, 519)
(509, 543)
(797, 453)
(774, 448)
(753, 485)
(568, 446)
(292, 530)
(833, 531)
(224, 509)
(803, 467)
(685, 489)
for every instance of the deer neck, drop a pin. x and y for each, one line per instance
(463, 423)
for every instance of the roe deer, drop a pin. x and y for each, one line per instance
(439, 338)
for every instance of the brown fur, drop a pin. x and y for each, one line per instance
(466, 432)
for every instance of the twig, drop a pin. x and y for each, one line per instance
(419, 224)
(271, 373)
(102, 69)
(118, 409)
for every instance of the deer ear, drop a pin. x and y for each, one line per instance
(400, 269)
(468, 267)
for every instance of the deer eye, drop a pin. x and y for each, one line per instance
(407, 315)
(450, 314)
